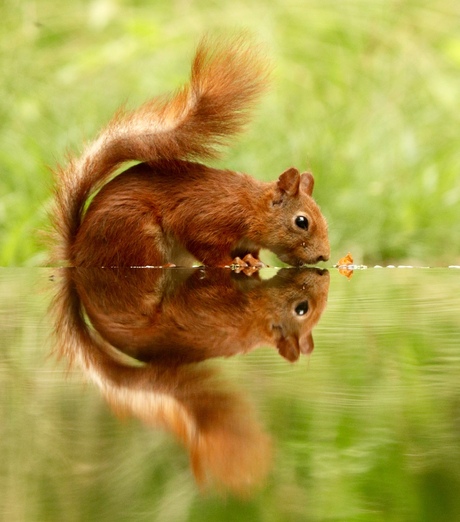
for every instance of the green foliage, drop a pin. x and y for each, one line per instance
(365, 94)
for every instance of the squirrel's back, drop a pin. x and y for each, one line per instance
(227, 76)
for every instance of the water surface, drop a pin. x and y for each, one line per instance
(365, 426)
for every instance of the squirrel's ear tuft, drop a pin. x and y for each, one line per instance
(307, 182)
(289, 181)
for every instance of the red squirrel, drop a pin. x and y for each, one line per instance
(171, 210)
(170, 319)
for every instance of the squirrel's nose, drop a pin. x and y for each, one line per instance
(322, 258)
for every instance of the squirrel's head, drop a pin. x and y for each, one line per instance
(297, 232)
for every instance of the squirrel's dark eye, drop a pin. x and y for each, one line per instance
(302, 308)
(301, 222)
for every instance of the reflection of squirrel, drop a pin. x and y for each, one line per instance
(228, 446)
(169, 210)
(165, 317)
(181, 316)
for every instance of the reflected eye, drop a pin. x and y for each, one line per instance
(302, 308)
(301, 222)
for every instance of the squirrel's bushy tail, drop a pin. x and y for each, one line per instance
(226, 78)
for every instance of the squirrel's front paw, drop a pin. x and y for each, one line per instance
(249, 264)
(238, 264)
(253, 262)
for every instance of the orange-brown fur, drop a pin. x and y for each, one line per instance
(184, 316)
(171, 210)
(167, 318)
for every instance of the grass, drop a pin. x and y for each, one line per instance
(365, 94)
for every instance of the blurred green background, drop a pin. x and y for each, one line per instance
(365, 94)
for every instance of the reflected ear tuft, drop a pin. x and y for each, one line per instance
(306, 344)
(289, 348)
